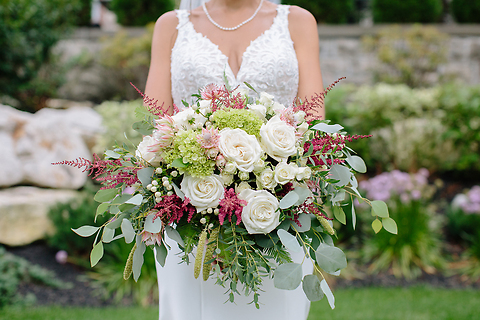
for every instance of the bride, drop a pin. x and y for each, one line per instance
(275, 49)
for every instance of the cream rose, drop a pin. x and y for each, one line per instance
(242, 186)
(259, 109)
(143, 151)
(266, 179)
(278, 139)
(203, 193)
(240, 148)
(261, 214)
(303, 173)
(285, 172)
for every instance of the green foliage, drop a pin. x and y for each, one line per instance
(14, 271)
(406, 11)
(28, 31)
(408, 55)
(140, 12)
(416, 247)
(466, 11)
(325, 11)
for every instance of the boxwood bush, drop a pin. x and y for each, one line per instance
(140, 12)
(326, 11)
(466, 11)
(406, 11)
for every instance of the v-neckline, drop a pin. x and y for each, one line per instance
(235, 76)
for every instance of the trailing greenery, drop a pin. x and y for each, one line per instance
(466, 11)
(140, 12)
(326, 11)
(406, 11)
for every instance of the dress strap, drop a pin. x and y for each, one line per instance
(182, 16)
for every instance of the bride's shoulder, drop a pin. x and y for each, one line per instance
(301, 22)
(168, 20)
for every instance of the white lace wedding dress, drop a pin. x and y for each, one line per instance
(269, 64)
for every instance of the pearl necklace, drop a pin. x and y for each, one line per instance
(237, 26)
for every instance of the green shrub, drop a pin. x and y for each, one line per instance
(466, 11)
(406, 11)
(326, 11)
(140, 12)
(28, 31)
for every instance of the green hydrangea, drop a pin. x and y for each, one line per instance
(238, 118)
(187, 148)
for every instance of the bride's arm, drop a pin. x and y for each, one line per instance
(159, 81)
(304, 33)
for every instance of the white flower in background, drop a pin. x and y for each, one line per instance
(183, 118)
(266, 99)
(240, 148)
(144, 151)
(205, 107)
(242, 186)
(285, 173)
(266, 179)
(303, 173)
(261, 214)
(278, 139)
(259, 109)
(204, 192)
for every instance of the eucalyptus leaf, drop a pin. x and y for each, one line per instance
(112, 154)
(161, 254)
(328, 240)
(329, 258)
(151, 225)
(339, 196)
(96, 254)
(305, 220)
(128, 231)
(379, 208)
(288, 276)
(339, 214)
(116, 221)
(145, 176)
(303, 194)
(289, 241)
(390, 225)
(121, 198)
(327, 128)
(86, 231)
(102, 207)
(357, 163)
(138, 258)
(354, 216)
(289, 200)
(108, 235)
(328, 293)
(174, 235)
(143, 127)
(341, 173)
(312, 288)
(266, 241)
(135, 200)
(376, 225)
(105, 195)
(178, 192)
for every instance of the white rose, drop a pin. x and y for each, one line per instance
(285, 172)
(261, 214)
(143, 151)
(230, 168)
(301, 129)
(243, 175)
(239, 147)
(203, 192)
(300, 116)
(277, 107)
(259, 165)
(303, 173)
(183, 118)
(259, 110)
(266, 179)
(205, 107)
(226, 178)
(266, 99)
(278, 139)
(242, 186)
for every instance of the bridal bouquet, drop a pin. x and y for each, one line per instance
(238, 182)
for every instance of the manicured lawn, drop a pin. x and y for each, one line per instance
(417, 303)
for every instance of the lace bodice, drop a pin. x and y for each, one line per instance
(269, 63)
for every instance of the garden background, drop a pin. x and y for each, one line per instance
(412, 73)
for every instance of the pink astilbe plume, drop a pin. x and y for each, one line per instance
(288, 115)
(224, 99)
(77, 163)
(172, 208)
(211, 92)
(152, 104)
(229, 205)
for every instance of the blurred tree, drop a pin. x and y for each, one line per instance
(327, 11)
(466, 11)
(406, 11)
(140, 12)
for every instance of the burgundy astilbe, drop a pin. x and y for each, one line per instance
(152, 104)
(312, 208)
(77, 163)
(286, 188)
(172, 208)
(229, 205)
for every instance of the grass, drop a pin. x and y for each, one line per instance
(416, 303)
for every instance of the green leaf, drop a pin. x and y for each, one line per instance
(329, 258)
(161, 254)
(357, 163)
(122, 198)
(327, 128)
(112, 154)
(379, 208)
(328, 293)
(339, 214)
(102, 207)
(312, 288)
(127, 230)
(354, 216)
(289, 200)
(116, 221)
(178, 163)
(153, 226)
(143, 127)
(341, 173)
(145, 176)
(96, 254)
(105, 195)
(174, 235)
(85, 231)
(288, 276)
(138, 258)
(108, 235)
(376, 225)
(135, 200)
(250, 86)
(305, 220)
(390, 225)
(289, 241)
(178, 192)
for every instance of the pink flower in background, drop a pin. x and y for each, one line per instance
(468, 202)
(61, 256)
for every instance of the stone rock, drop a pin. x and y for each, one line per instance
(32, 142)
(24, 213)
